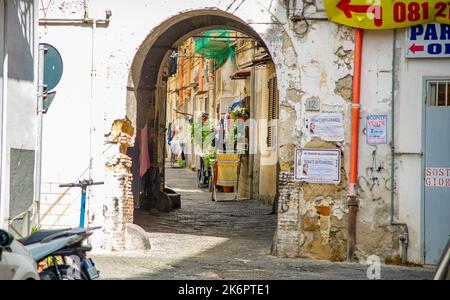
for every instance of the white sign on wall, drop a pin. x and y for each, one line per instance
(437, 177)
(327, 126)
(428, 41)
(318, 166)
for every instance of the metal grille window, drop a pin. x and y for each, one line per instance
(273, 113)
(438, 92)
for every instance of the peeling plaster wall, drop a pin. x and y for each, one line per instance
(313, 64)
(316, 212)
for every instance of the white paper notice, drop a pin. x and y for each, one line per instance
(377, 129)
(327, 126)
(318, 166)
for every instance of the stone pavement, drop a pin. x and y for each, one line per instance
(223, 240)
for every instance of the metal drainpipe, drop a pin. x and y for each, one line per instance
(72, 22)
(3, 102)
(91, 117)
(77, 22)
(40, 123)
(353, 203)
(404, 238)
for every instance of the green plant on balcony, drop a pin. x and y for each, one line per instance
(240, 113)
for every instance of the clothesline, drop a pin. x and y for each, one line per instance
(182, 113)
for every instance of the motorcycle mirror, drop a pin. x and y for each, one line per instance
(6, 239)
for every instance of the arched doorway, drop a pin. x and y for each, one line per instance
(147, 90)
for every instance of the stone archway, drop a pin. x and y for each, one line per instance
(146, 93)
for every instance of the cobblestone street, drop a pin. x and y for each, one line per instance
(222, 240)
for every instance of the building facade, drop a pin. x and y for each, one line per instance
(114, 84)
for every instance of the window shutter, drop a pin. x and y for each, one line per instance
(272, 113)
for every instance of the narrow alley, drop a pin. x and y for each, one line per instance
(209, 240)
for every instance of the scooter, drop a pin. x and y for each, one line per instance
(62, 254)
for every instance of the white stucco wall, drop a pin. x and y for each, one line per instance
(67, 127)
(376, 97)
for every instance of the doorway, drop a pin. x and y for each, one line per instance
(437, 169)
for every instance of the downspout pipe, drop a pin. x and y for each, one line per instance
(39, 134)
(91, 113)
(353, 202)
(404, 238)
(85, 21)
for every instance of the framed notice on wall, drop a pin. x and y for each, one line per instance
(327, 126)
(318, 166)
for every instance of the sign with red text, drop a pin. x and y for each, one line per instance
(377, 129)
(383, 14)
(428, 41)
(437, 177)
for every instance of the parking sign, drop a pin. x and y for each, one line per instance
(428, 41)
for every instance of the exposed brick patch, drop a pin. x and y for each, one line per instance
(119, 207)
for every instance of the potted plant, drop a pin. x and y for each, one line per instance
(241, 113)
(201, 132)
(209, 158)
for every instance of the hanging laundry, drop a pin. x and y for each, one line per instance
(173, 64)
(170, 136)
(144, 155)
(227, 170)
(174, 130)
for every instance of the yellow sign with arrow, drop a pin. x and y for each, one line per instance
(387, 14)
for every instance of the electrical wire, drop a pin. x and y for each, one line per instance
(45, 9)
(232, 3)
(303, 18)
(239, 6)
